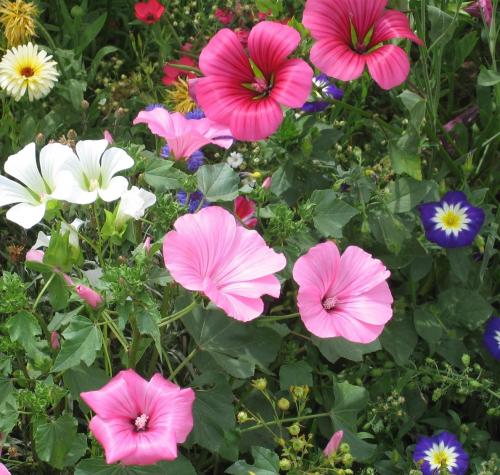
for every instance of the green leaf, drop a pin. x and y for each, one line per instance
(90, 32)
(266, 462)
(274, 5)
(415, 105)
(54, 439)
(331, 214)
(349, 401)
(295, 374)
(82, 341)
(488, 77)
(324, 143)
(218, 182)
(428, 325)
(81, 378)
(406, 193)
(282, 179)
(335, 348)
(465, 307)
(97, 61)
(161, 176)
(399, 339)
(24, 328)
(180, 466)
(147, 322)
(404, 161)
(442, 26)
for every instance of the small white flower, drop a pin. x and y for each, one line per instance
(31, 199)
(24, 68)
(43, 240)
(235, 159)
(133, 204)
(92, 173)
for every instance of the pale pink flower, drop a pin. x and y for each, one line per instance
(266, 184)
(349, 35)
(140, 422)
(54, 341)
(235, 94)
(344, 296)
(147, 244)
(183, 136)
(108, 137)
(210, 253)
(34, 255)
(89, 295)
(3, 470)
(334, 443)
(244, 209)
(481, 9)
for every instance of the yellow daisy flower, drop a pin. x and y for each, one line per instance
(180, 98)
(25, 68)
(18, 20)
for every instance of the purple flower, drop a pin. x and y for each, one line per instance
(195, 161)
(481, 9)
(314, 107)
(451, 222)
(335, 92)
(491, 337)
(195, 115)
(193, 201)
(442, 451)
(151, 107)
(165, 151)
(326, 87)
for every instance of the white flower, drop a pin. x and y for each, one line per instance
(43, 240)
(24, 68)
(235, 159)
(92, 173)
(39, 187)
(133, 204)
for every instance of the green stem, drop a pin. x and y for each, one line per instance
(285, 421)
(44, 289)
(277, 318)
(189, 69)
(175, 316)
(185, 361)
(136, 338)
(172, 29)
(116, 331)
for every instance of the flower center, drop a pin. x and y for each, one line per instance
(150, 17)
(451, 220)
(27, 71)
(329, 303)
(94, 184)
(141, 423)
(260, 85)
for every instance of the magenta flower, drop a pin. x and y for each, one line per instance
(90, 296)
(481, 9)
(183, 136)
(210, 252)
(333, 443)
(140, 422)
(344, 296)
(244, 209)
(246, 92)
(349, 36)
(55, 344)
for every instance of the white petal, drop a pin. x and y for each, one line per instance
(23, 166)
(12, 192)
(70, 189)
(26, 215)
(53, 158)
(42, 240)
(89, 152)
(116, 187)
(113, 161)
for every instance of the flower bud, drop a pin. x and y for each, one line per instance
(90, 296)
(284, 404)
(285, 465)
(40, 139)
(294, 429)
(260, 384)
(266, 184)
(242, 417)
(54, 341)
(84, 105)
(466, 359)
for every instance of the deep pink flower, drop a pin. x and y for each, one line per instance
(89, 295)
(3, 470)
(183, 136)
(344, 296)
(242, 35)
(245, 208)
(187, 46)
(349, 36)
(140, 422)
(333, 443)
(149, 12)
(209, 252)
(247, 101)
(171, 73)
(262, 16)
(481, 9)
(54, 341)
(224, 16)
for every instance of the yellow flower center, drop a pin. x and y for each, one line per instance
(451, 220)
(441, 458)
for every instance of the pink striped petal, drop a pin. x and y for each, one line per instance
(293, 83)
(337, 60)
(393, 24)
(327, 19)
(269, 45)
(224, 56)
(364, 14)
(388, 65)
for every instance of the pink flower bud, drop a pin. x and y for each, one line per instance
(334, 443)
(54, 341)
(90, 296)
(108, 136)
(266, 184)
(147, 245)
(33, 255)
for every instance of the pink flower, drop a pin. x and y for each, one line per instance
(183, 136)
(54, 341)
(90, 296)
(149, 12)
(242, 35)
(233, 266)
(3, 470)
(263, 15)
(140, 422)
(333, 443)
(246, 100)
(349, 36)
(344, 296)
(147, 244)
(266, 184)
(245, 208)
(108, 136)
(171, 73)
(481, 9)
(187, 46)
(34, 255)
(224, 16)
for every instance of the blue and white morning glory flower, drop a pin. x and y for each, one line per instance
(442, 451)
(451, 222)
(491, 337)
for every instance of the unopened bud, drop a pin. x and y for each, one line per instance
(284, 404)
(294, 429)
(242, 417)
(40, 139)
(260, 384)
(84, 105)
(285, 465)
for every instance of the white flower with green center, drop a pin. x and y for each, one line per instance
(133, 205)
(40, 185)
(441, 456)
(91, 173)
(451, 218)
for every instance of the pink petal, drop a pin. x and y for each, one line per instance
(217, 133)
(355, 330)
(336, 59)
(3, 470)
(254, 288)
(244, 209)
(333, 443)
(328, 19)
(315, 318)
(89, 295)
(224, 56)
(34, 255)
(158, 120)
(293, 83)
(388, 65)
(364, 14)
(393, 24)
(151, 447)
(270, 43)
(318, 268)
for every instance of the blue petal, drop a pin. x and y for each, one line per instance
(453, 197)
(489, 340)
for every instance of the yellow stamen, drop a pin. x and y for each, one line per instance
(179, 96)
(18, 20)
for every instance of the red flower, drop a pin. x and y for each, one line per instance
(245, 209)
(224, 16)
(149, 12)
(171, 73)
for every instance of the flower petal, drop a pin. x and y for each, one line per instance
(71, 188)
(53, 157)
(90, 152)
(12, 192)
(293, 83)
(393, 24)
(158, 121)
(388, 65)
(114, 189)
(26, 214)
(328, 19)
(113, 161)
(152, 447)
(23, 166)
(363, 15)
